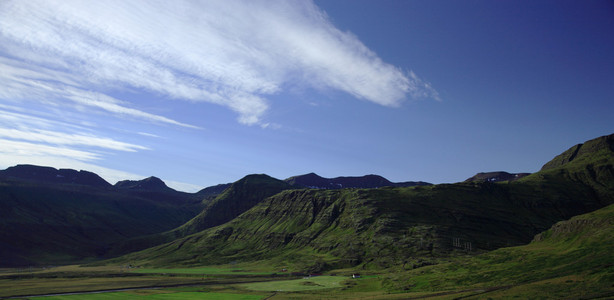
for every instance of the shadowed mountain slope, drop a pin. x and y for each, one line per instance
(51, 219)
(393, 226)
(237, 198)
(48, 175)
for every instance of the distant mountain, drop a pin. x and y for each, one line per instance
(51, 175)
(321, 229)
(150, 184)
(315, 181)
(497, 176)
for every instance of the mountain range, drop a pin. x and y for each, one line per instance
(315, 224)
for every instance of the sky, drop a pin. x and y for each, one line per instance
(200, 93)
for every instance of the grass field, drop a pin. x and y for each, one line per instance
(202, 270)
(38, 286)
(155, 295)
(305, 284)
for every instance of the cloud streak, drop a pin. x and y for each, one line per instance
(230, 53)
(34, 136)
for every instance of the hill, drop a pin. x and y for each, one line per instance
(571, 260)
(315, 181)
(235, 199)
(409, 226)
(50, 216)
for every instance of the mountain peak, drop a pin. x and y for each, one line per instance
(151, 183)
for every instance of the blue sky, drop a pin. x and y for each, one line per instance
(205, 92)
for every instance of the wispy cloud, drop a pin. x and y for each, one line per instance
(231, 53)
(49, 153)
(57, 88)
(29, 138)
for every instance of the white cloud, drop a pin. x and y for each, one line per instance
(27, 151)
(60, 138)
(43, 131)
(56, 88)
(231, 53)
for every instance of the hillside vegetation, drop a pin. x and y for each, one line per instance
(571, 260)
(411, 227)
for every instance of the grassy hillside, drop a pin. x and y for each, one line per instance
(235, 199)
(571, 260)
(409, 227)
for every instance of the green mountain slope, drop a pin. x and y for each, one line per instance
(69, 221)
(235, 199)
(571, 260)
(410, 227)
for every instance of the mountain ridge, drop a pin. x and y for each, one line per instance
(392, 226)
(379, 226)
(313, 180)
(42, 174)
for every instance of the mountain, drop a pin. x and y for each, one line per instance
(149, 184)
(314, 181)
(235, 199)
(241, 196)
(497, 176)
(50, 216)
(48, 175)
(317, 229)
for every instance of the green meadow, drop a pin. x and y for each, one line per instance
(305, 284)
(155, 295)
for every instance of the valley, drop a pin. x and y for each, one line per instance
(544, 235)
